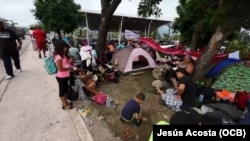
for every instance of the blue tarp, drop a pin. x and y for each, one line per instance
(213, 72)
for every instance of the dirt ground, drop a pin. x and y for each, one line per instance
(121, 92)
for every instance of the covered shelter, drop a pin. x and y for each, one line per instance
(121, 22)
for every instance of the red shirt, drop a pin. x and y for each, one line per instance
(39, 35)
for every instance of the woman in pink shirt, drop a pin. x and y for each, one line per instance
(63, 71)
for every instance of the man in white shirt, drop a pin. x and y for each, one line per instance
(33, 40)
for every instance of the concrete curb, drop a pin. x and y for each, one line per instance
(99, 124)
(80, 126)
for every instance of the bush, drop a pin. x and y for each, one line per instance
(243, 47)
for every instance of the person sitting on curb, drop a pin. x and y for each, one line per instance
(82, 83)
(131, 112)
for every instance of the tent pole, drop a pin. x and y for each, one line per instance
(149, 25)
(120, 31)
(87, 26)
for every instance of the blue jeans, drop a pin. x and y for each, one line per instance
(8, 63)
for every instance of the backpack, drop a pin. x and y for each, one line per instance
(50, 65)
(241, 98)
(100, 98)
(207, 92)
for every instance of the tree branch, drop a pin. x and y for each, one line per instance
(220, 4)
(113, 6)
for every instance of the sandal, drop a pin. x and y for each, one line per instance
(70, 103)
(68, 107)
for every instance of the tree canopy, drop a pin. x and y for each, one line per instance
(202, 19)
(57, 15)
(194, 22)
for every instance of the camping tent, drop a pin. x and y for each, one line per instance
(232, 59)
(133, 59)
(213, 72)
(235, 78)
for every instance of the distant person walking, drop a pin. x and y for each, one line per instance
(40, 36)
(33, 40)
(9, 50)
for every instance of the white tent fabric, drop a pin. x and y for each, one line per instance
(234, 55)
(126, 56)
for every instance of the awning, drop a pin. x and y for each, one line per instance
(130, 23)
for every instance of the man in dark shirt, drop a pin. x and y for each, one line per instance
(186, 89)
(9, 49)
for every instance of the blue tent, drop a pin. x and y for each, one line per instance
(214, 71)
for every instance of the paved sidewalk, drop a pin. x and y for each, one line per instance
(31, 110)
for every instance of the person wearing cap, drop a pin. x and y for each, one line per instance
(186, 89)
(9, 49)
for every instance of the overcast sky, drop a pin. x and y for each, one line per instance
(19, 10)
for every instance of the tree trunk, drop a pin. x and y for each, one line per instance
(214, 45)
(59, 34)
(193, 44)
(102, 36)
(108, 9)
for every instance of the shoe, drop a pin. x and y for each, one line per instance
(40, 56)
(69, 107)
(138, 123)
(8, 77)
(70, 103)
(18, 70)
(122, 120)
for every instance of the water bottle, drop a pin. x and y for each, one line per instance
(201, 98)
(108, 104)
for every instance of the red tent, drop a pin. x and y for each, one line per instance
(217, 57)
(178, 52)
(170, 51)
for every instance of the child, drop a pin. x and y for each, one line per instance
(132, 111)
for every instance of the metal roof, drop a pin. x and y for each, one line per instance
(128, 22)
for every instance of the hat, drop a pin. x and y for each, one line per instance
(186, 117)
